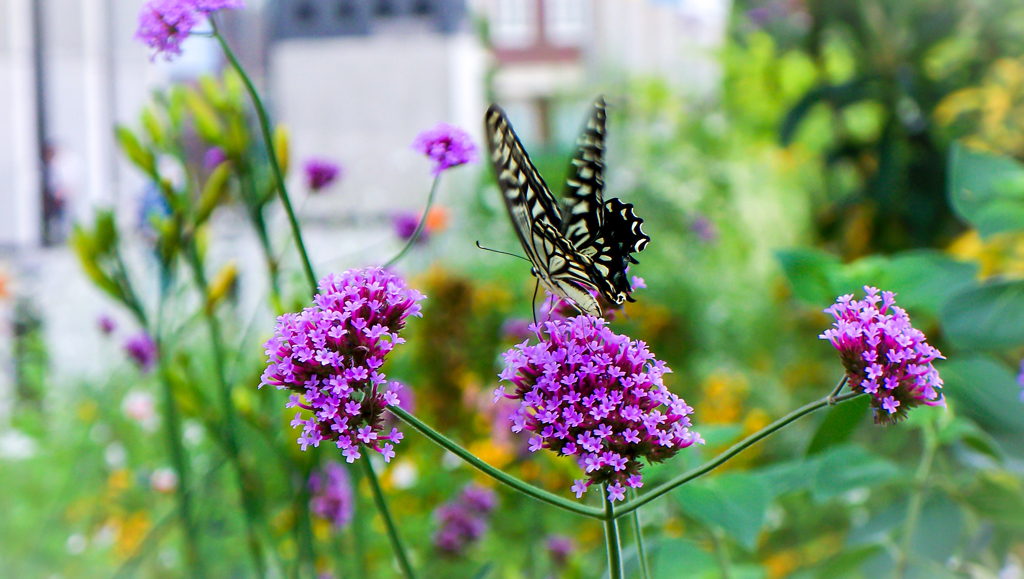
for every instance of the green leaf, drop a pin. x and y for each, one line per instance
(847, 563)
(849, 467)
(143, 158)
(998, 498)
(839, 424)
(960, 429)
(938, 529)
(986, 391)
(810, 273)
(681, 558)
(986, 317)
(925, 279)
(735, 502)
(986, 190)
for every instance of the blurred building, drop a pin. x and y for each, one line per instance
(547, 51)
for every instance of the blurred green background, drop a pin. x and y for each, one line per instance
(851, 142)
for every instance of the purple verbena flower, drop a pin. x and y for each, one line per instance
(141, 349)
(330, 355)
(463, 520)
(560, 548)
(447, 145)
(405, 224)
(320, 173)
(332, 497)
(164, 24)
(214, 156)
(704, 228)
(884, 355)
(106, 324)
(588, 392)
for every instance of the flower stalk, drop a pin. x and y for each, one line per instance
(389, 523)
(611, 536)
(735, 449)
(641, 551)
(931, 445)
(498, 475)
(261, 115)
(230, 415)
(419, 227)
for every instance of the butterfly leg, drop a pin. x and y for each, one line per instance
(533, 304)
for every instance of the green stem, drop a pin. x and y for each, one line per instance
(521, 486)
(230, 416)
(916, 500)
(178, 458)
(837, 390)
(733, 451)
(419, 226)
(389, 524)
(641, 552)
(261, 115)
(611, 537)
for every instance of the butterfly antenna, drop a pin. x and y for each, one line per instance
(501, 252)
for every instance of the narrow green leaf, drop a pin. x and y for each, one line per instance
(839, 424)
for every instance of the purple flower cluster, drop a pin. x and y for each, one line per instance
(330, 356)
(447, 145)
(106, 324)
(464, 519)
(332, 494)
(884, 355)
(559, 548)
(141, 349)
(1020, 380)
(588, 392)
(320, 173)
(164, 24)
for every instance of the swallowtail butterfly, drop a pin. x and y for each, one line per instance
(583, 242)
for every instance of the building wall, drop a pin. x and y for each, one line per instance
(363, 99)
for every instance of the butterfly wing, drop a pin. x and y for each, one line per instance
(585, 184)
(536, 217)
(605, 231)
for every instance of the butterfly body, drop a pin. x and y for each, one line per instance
(584, 242)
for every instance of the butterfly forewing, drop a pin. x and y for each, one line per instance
(583, 217)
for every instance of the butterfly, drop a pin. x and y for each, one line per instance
(584, 241)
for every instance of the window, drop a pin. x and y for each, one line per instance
(514, 23)
(565, 21)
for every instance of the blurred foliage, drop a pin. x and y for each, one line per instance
(829, 160)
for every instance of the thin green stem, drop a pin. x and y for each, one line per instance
(261, 115)
(389, 524)
(611, 537)
(178, 458)
(837, 390)
(733, 451)
(916, 500)
(504, 478)
(638, 534)
(419, 226)
(230, 415)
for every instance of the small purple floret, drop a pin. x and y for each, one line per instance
(214, 156)
(141, 349)
(560, 548)
(588, 392)
(884, 355)
(320, 173)
(447, 145)
(330, 355)
(331, 492)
